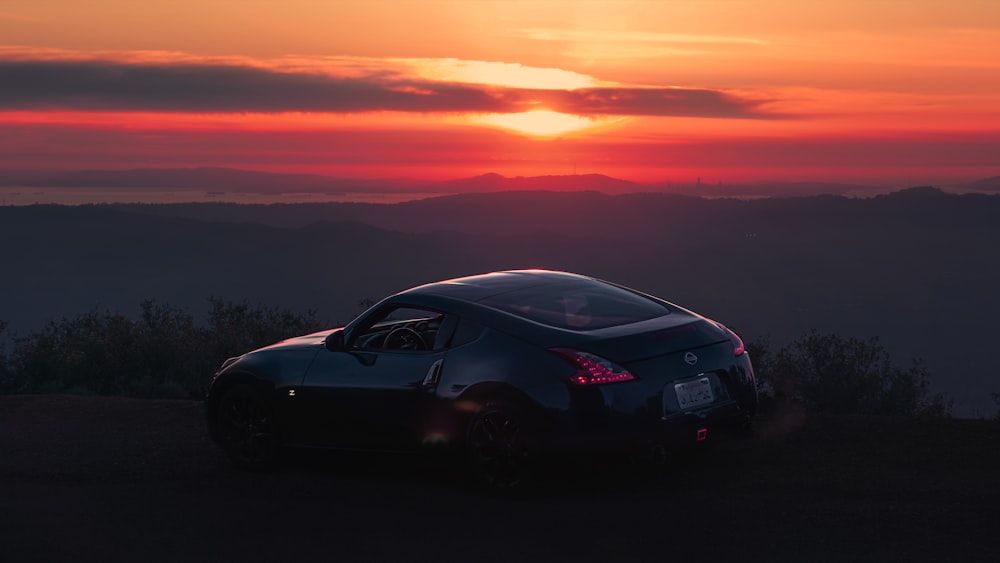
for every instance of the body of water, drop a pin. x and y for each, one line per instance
(18, 195)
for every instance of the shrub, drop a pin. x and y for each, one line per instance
(235, 328)
(174, 352)
(161, 354)
(5, 374)
(829, 373)
(94, 353)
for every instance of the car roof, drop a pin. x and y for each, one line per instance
(482, 286)
(472, 295)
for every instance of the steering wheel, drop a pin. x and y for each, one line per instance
(404, 338)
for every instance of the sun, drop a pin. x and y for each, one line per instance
(540, 123)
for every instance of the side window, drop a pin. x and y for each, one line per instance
(402, 328)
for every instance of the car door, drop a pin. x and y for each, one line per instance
(379, 391)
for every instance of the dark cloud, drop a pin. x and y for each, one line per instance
(218, 88)
(652, 101)
(116, 86)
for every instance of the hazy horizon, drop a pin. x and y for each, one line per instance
(247, 186)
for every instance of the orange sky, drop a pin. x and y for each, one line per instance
(885, 91)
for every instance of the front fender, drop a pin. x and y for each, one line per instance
(274, 371)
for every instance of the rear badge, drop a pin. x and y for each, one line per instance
(690, 359)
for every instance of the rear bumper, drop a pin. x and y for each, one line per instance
(627, 417)
(627, 438)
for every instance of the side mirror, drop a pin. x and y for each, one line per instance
(335, 341)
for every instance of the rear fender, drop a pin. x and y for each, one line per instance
(469, 402)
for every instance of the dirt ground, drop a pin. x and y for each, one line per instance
(117, 479)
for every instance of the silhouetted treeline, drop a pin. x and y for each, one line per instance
(164, 353)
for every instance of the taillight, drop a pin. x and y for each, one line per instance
(591, 369)
(738, 347)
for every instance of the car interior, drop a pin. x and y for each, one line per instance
(417, 333)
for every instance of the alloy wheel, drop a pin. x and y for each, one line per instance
(497, 450)
(246, 427)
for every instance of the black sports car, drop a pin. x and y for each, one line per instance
(503, 367)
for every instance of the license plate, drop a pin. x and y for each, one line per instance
(695, 393)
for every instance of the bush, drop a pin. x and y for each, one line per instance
(162, 354)
(4, 370)
(93, 353)
(829, 373)
(235, 328)
(174, 353)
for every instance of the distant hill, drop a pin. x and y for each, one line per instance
(217, 179)
(773, 189)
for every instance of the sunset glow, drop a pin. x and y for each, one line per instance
(538, 123)
(893, 91)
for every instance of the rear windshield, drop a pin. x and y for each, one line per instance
(578, 305)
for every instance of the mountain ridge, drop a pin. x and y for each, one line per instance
(223, 179)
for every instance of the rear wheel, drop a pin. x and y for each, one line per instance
(496, 447)
(246, 427)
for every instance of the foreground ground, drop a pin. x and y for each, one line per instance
(112, 479)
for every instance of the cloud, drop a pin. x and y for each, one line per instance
(652, 102)
(222, 88)
(632, 36)
(231, 87)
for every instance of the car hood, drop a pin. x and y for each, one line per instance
(306, 342)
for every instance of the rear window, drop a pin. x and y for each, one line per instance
(587, 305)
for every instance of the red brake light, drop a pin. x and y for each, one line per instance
(591, 369)
(738, 347)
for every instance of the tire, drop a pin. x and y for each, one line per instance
(496, 448)
(246, 428)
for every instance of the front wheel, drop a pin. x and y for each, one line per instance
(496, 447)
(246, 427)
